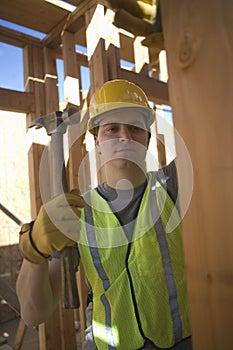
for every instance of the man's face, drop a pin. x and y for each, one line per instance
(123, 139)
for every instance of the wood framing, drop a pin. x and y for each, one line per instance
(105, 51)
(17, 101)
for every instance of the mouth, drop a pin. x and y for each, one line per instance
(124, 150)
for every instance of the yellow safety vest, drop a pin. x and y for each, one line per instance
(139, 287)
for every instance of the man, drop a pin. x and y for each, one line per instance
(135, 268)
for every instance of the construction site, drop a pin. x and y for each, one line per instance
(68, 50)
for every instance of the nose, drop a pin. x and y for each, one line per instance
(124, 133)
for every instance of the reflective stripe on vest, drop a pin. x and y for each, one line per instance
(161, 236)
(99, 268)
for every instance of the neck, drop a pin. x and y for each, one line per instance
(125, 178)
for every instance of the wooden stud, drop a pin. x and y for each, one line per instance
(71, 71)
(141, 57)
(113, 59)
(51, 81)
(96, 47)
(77, 151)
(96, 56)
(198, 37)
(21, 330)
(161, 150)
(34, 78)
(50, 335)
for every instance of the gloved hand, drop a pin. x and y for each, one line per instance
(141, 18)
(56, 227)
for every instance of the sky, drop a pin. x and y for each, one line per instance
(11, 64)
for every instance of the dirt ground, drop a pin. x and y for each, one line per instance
(8, 331)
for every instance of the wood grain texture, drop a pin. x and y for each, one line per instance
(198, 39)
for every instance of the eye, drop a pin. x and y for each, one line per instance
(136, 128)
(111, 129)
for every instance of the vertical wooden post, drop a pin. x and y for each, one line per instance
(161, 150)
(49, 334)
(112, 45)
(141, 57)
(198, 38)
(51, 80)
(77, 151)
(113, 59)
(33, 82)
(96, 46)
(34, 78)
(59, 331)
(73, 97)
(71, 70)
(97, 58)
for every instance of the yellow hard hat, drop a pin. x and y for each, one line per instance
(116, 95)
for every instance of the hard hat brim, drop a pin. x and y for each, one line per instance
(147, 113)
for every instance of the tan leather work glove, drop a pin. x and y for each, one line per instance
(56, 227)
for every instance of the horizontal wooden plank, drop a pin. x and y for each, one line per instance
(16, 101)
(13, 37)
(156, 91)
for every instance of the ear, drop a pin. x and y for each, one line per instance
(96, 141)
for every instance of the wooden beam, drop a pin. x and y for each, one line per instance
(141, 57)
(96, 47)
(51, 80)
(72, 23)
(157, 91)
(50, 333)
(97, 57)
(71, 71)
(16, 101)
(34, 78)
(198, 37)
(12, 37)
(53, 39)
(161, 150)
(126, 46)
(113, 59)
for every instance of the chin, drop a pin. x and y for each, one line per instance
(121, 163)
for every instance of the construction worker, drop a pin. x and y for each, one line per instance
(134, 265)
